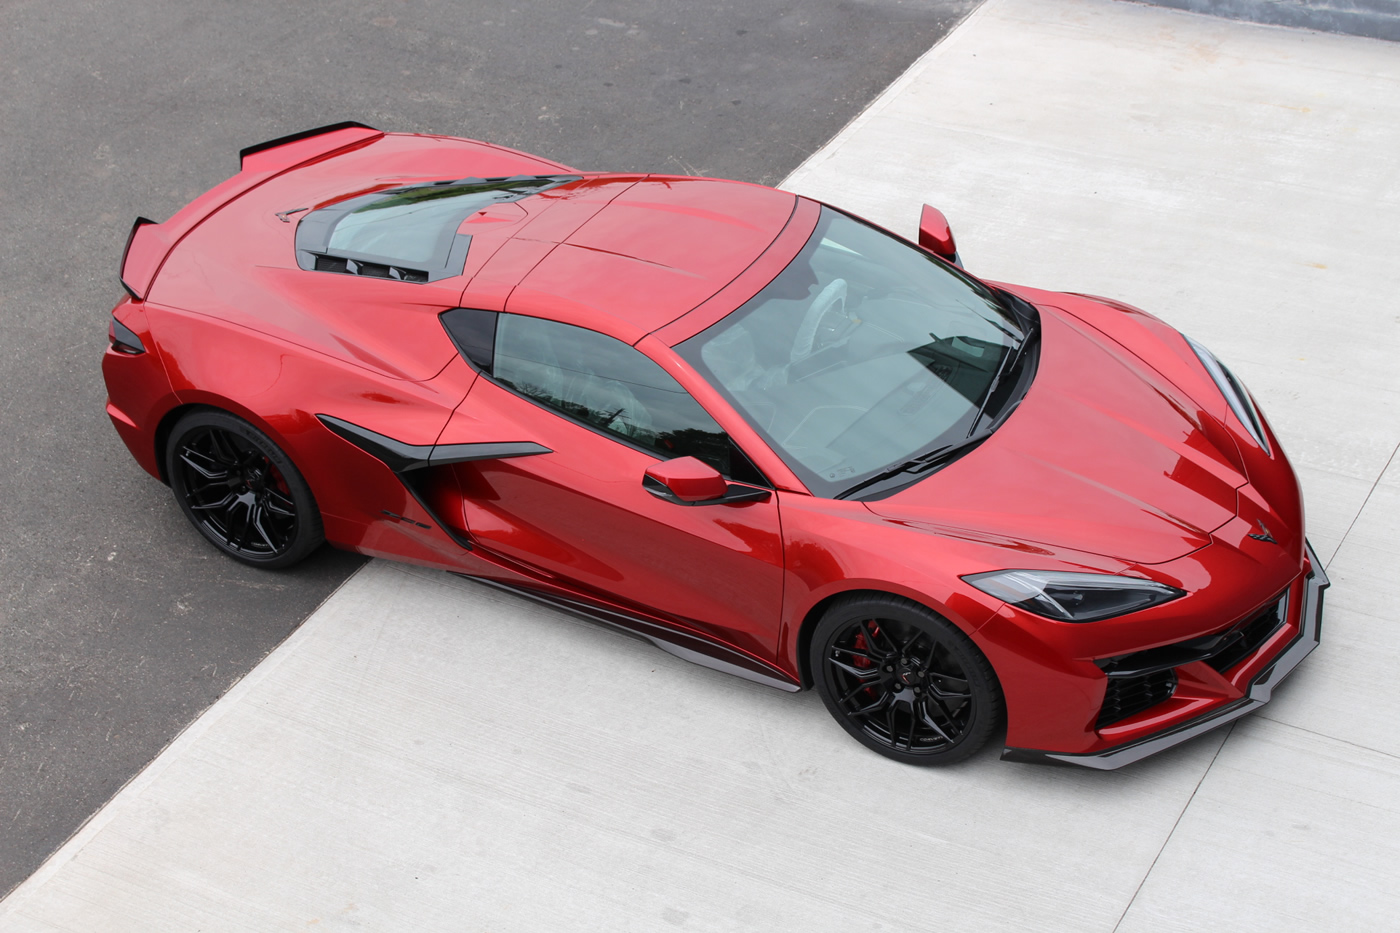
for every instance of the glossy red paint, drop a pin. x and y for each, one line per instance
(1041, 485)
(1123, 457)
(935, 235)
(689, 479)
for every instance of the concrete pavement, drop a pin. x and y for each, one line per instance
(119, 624)
(424, 753)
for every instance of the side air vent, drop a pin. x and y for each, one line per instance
(1251, 634)
(1222, 651)
(372, 269)
(1128, 696)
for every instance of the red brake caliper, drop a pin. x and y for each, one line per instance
(863, 645)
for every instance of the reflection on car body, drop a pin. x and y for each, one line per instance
(757, 431)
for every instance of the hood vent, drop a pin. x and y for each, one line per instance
(375, 270)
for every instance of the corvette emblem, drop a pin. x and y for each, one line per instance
(1265, 537)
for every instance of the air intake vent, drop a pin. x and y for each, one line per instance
(1251, 634)
(1128, 696)
(371, 269)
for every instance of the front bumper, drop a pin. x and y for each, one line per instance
(1259, 692)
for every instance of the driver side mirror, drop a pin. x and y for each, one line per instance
(688, 481)
(937, 237)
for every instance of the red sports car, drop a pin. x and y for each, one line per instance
(758, 431)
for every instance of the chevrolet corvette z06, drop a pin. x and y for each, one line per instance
(754, 429)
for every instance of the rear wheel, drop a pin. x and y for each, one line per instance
(241, 491)
(904, 681)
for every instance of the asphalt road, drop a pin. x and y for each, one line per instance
(118, 624)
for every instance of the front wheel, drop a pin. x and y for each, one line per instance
(241, 491)
(904, 681)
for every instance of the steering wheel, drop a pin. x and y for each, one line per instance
(829, 299)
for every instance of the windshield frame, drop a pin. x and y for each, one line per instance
(991, 410)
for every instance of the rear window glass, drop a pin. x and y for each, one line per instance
(407, 233)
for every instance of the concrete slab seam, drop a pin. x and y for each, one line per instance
(1229, 730)
(1364, 502)
(94, 824)
(1323, 735)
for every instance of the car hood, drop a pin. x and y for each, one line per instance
(1103, 456)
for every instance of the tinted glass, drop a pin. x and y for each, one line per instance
(474, 333)
(407, 227)
(608, 385)
(863, 352)
(410, 229)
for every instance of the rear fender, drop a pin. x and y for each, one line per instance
(138, 390)
(280, 388)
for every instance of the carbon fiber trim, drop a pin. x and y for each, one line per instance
(684, 645)
(295, 137)
(404, 459)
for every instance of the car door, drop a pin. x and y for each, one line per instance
(580, 515)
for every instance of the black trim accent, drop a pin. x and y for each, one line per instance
(297, 137)
(124, 339)
(1224, 649)
(400, 518)
(321, 262)
(444, 454)
(742, 469)
(121, 277)
(1126, 697)
(404, 459)
(1247, 636)
(737, 492)
(347, 262)
(394, 454)
(687, 646)
(1259, 693)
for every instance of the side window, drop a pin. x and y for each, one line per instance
(610, 386)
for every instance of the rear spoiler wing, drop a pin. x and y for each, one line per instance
(149, 242)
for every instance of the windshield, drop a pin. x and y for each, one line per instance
(863, 353)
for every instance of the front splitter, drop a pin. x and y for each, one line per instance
(1260, 692)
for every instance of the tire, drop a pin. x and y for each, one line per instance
(241, 491)
(904, 681)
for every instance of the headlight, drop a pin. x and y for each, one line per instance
(1233, 390)
(1073, 597)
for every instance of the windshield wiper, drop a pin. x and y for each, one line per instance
(1008, 363)
(926, 462)
(920, 464)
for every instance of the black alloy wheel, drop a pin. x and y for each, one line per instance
(241, 491)
(904, 681)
